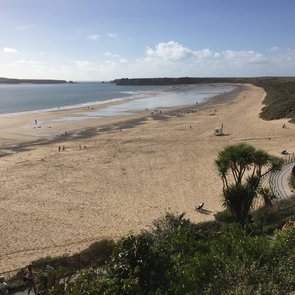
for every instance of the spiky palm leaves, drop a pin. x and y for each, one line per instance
(241, 168)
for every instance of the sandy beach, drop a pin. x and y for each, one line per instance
(117, 175)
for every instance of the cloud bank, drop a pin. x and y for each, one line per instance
(164, 59)
(174, 51)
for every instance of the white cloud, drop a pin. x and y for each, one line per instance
(26, 62)
(274, 48)
(115, 57)
(9, 50)
(122, 60)
(85, 65)
(93, 37)
(109, 54)
(203, 53)
(168, 51)
(287, 56)
(247, 56)
(111, 35)
(163, 59)
(174, 51)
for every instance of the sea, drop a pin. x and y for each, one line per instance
(35, 98)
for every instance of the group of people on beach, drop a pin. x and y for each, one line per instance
(63, 148)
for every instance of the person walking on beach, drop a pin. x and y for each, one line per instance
(29, 277)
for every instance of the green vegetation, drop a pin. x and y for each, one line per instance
(241, 168)
(180, 257)
(274, 217)
(176, 258)
(280, 99)
(64, 267)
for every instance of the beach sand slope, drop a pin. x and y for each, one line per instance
(54, 203)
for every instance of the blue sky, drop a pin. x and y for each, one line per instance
(103, 40)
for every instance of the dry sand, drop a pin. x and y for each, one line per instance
(54, 203)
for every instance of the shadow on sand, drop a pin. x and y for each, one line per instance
(204, 211)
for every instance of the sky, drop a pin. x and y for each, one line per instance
(103, 40)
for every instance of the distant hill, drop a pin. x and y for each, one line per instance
(171, 81)
(30, 81)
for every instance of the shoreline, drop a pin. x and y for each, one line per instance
(21, 137)
(56, 203)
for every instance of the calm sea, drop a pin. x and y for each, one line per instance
(33, 97)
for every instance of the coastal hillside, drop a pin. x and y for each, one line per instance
(30, 81)
(279, 102)
(280, 98)
(172, 81)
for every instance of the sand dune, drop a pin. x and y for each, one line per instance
(54, 202)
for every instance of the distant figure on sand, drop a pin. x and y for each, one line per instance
(284, 152)
(199, 207)
(29, 277)
(3, 286)
(36, 122)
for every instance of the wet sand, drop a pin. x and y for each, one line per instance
(117, 175)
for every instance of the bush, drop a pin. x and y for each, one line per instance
(174, 258)
(223, 216)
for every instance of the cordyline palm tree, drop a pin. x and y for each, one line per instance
(241, 168)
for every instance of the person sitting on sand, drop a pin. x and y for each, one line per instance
(29, 277)
(199, 207)
(284, 152)
(3, 286)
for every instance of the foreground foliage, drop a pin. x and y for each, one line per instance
(176, 258)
